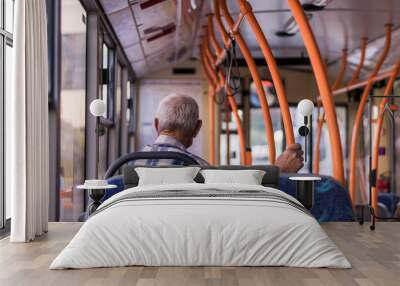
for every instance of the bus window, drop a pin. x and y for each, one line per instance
(73, 107)
(325, 165)
(232, 140)
(259, 146)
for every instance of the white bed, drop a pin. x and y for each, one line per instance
(246, 225)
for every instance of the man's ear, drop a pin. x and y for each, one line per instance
(157, 125)
(198, 127)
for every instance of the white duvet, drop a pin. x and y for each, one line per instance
(188, 231)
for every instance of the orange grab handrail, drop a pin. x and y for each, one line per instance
(211, 95)
(228, 135)
(231, 99)
(257, 81)
(323, 86)
(221, 27)
(359, 117)
(342, 70)
(247, 11)
(382, 75)
(379, 124)
(357, 71)
(211, 34)
(321, 120)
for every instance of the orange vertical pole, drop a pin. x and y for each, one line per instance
(247, 11)
(236, 117)
(211, 114)
(323, 86)
(321, 119)
(342, 70)
(231, 101)
(359, 116)
(210, 29)
(257, 81)
(357, 71)
(249, 159)
(379, 124)
(227, 134)
(211, 95)
(221, 27)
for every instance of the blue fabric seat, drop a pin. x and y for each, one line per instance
(390, 200)
(332, 202)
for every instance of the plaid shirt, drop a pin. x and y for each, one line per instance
(169, 143)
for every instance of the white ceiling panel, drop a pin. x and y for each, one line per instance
(166, 37)
(156, 15)
(110, 6)
(124, 27)
(140, 68)
(134, 53)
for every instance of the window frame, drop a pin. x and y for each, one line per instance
(6, 39)
(100, 24)
(57, 94)
(113, 122)
(132, 102)
(108, 121)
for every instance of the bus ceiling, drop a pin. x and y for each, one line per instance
(147, 29)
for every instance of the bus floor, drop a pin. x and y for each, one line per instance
(374, 255)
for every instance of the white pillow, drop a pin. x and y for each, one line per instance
(247, 177)
(166, 176)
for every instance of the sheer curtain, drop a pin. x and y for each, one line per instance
(27, 147)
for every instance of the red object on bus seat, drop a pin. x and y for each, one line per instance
(383, 184)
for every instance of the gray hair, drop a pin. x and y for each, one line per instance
(178, 112)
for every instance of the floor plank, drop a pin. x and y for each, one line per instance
(375, 257)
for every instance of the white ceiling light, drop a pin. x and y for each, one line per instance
(291, 28)
(193, 4)
(315, 5)
(321, 2)
(305, 107)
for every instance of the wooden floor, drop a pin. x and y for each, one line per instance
(375, 257)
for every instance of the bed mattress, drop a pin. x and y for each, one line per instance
(201, 225)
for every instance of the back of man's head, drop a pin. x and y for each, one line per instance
(178, 112)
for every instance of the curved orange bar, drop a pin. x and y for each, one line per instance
(359, 116)
(257, 81)
(210, 72)
(210, 79)
(231, 101)
(227, 134)
(211, 114)
(321, 120)
(211, 95)
(379, 124)
(323, 86)
(221, 27)
(211, 34)
(382, 75)
(247, 11)
(357, 71)
(342, 70)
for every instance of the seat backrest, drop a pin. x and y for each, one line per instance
(270, 179)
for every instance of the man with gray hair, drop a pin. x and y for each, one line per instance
(177, 123)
